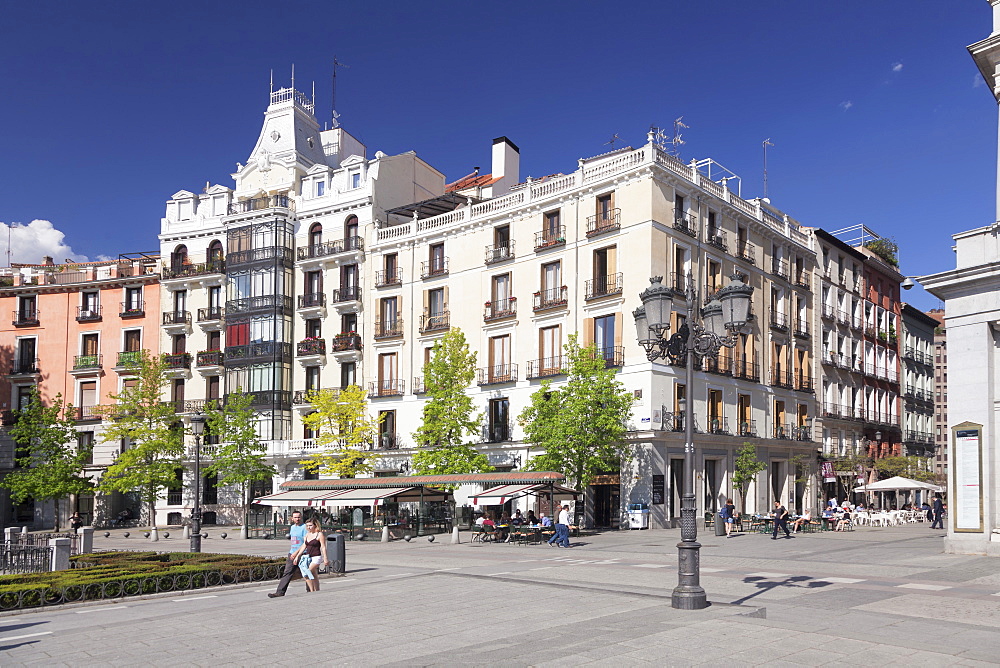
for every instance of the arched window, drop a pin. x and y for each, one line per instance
(351, 233)
(179, 257)
(215, 254)
(315, 235)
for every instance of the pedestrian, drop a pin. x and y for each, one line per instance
(313, 549)
(938, 511)
(728, 515)
(296, 534)
(75, 522)
(561, 537)
(780, 521)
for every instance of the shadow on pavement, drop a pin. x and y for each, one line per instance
(764, 585)
(15, 627)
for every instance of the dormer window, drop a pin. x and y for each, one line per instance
(320, 188)
(354, 179)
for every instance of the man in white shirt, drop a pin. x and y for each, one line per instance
(561, 536)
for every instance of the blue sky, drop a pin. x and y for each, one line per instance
(875, 109)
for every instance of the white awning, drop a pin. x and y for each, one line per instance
(304, 497)
(375, 496)
(501, 494)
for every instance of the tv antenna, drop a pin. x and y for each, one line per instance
(333, 100)
(612, 141)
(764, 145)
(676, 141)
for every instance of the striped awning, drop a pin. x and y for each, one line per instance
(352, 497)
(501, 494)
(304, 497)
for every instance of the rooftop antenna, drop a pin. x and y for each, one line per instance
(614, 138)
(659, 137)
(272, 81)
(293, 76)
(333, 100)
(764, 145)
(314, 93)
(677, 142)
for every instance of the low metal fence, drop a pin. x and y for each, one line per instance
(16, 559)
(42, 540)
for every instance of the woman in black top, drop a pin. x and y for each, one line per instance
(314, 546)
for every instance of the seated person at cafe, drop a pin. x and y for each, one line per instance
(804, 518)
(518, 518)
(844, 518)
(481, 519)
(830, 518)
(531, 519)
(546, 521)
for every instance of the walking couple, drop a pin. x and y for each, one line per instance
(305, 554)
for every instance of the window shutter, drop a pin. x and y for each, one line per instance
(588, 332)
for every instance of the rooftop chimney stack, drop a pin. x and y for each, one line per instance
(506, 165)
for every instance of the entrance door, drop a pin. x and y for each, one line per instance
(676, 488)
(607, 501)
(712, 485)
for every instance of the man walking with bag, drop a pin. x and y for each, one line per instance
(780, 521)
(937, 512)
(297, 535)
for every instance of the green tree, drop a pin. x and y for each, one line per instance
(449, 415)
(581, 425)
(345, 429)
(746, 469)
(240, 456)
(908, 466)
(150, 433)
(49, 460)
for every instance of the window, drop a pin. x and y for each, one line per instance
(387, 430)
(89, 344)
(177, 391)
(314, 328)
(180, 301)
(313, 287)
(26, 309)
(387, 373)
(351, 231)
(605, 281)
(88, 397)
(133, 299)
(214, 340)
(743, 414)
(348, 375)
(604, 337)
(315, 234)
(312, 378)
(713, 228)
(435, 302)
(349, 323)
(355, 179)
(215, 298)
(85, 443)
(90, 305)
(713, 275)
(179, 344)
(500, 369)
(779, 420)
(133, 340)
(500, 291)
(605, 208)
(212, 387)
(436, 257)
(175, 495)
(551, 231)
(210, 489)
(715, 423)
(320, 188)
(551, 277)
(390, 263)
(550, 349)
(498, 427)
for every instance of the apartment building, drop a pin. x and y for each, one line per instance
(74, 329)
(940, 393)
(918, 382)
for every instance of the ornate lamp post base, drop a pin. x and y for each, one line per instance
(688, 594)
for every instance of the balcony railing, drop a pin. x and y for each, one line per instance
(88, 313)
(136, 309)
(605, 221)
(717, 238)
(780, 268)
(497, 373)
(262, 350)
(803, 279)
(685, 223)
(546, 367)
(386, 277)
(177, 361)
(612, 355)
(497, 432)
(351, 293)
(717, 425)
(679, 283)
(844, 317)
(302, 397)
(418, 386)
(177, 318)
(259, 204)
(829, 312)
(746, 369)
(545, 299)
(312, 300)
(26, 317)
(84, 362)
(604, 286)
(804, 383)
(779, 322)
(210, 314)
(284, 303)
(251, 255)
(550, 237)
(198, 269)
(432, 268)
(86, 413)
(386, 388)
(781, 378)
(783, 431)
(129, 358)
(327, 248)
(25, 366)
(747, 428)
(308, 347)
(435, 322)
(747, 251)
(913, 436)
(500, 252)
(500, 308)
(344, 342)
(387, 329)
(801, 328)
(210, 358)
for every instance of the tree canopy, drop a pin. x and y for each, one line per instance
(346, 431)
(745, 471)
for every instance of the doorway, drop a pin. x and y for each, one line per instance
(607, 502)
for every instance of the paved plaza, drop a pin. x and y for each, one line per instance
(874, 596)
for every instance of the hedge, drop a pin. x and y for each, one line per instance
(105, 575)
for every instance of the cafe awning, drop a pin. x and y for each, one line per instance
(304, 497)
(352, 497)
(501, 494)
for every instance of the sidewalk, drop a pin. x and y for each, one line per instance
(872, 596)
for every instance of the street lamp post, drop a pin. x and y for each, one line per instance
(722, 318)
(197, 429)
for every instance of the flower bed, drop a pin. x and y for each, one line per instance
(109, 575)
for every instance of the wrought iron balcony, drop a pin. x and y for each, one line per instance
(747, 252)
(779, 268)
(129, 358)
(829, 312)
(309, 347)
(435, 322)
(387, 329)
(88, 313)
(433, 268)
(844, 317)
(388, 277)
(804, 383)
(747, 428)
(783, 431)
(87, 413)
(259, 204)
(717, 238)
(781, 378)
(500, 308)
(554, 298)
(497, 373)
(605, 221)
(328, 248)
(387, 441)
(546, 367)
(182, 270)
(386, 388)
(801, 328)
(684, 222)
(719, 426)
(177, 361)
(283, 303)
(418, 386)
(24, 366)
(312, 300)
(779, 322)
(210, 358)
(177, 318)
(500, 252)
(265, 254)
(679, 283)
(136, 309)
(803, 279)
(26, 317)
(210, 314)
(344, 342)
(612, 355)
(351, 293)
(549, 238)
(302, 397)
(84, 362)
(497, 432)
(604, 286)
(262, 350)
(746, 369)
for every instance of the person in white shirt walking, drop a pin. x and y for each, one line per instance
(561, 537)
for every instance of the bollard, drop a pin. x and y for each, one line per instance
(153, 536)
(24, 529)
(86, 538)
(8, 535)
(336, 550)
(243, 532)
(187, 532)
(385, 534)
(60, 554)
(455, 540)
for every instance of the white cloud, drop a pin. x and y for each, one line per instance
(897, 67)
(845, 105)
(30, 243)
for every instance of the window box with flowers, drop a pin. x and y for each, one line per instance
(346, 341)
